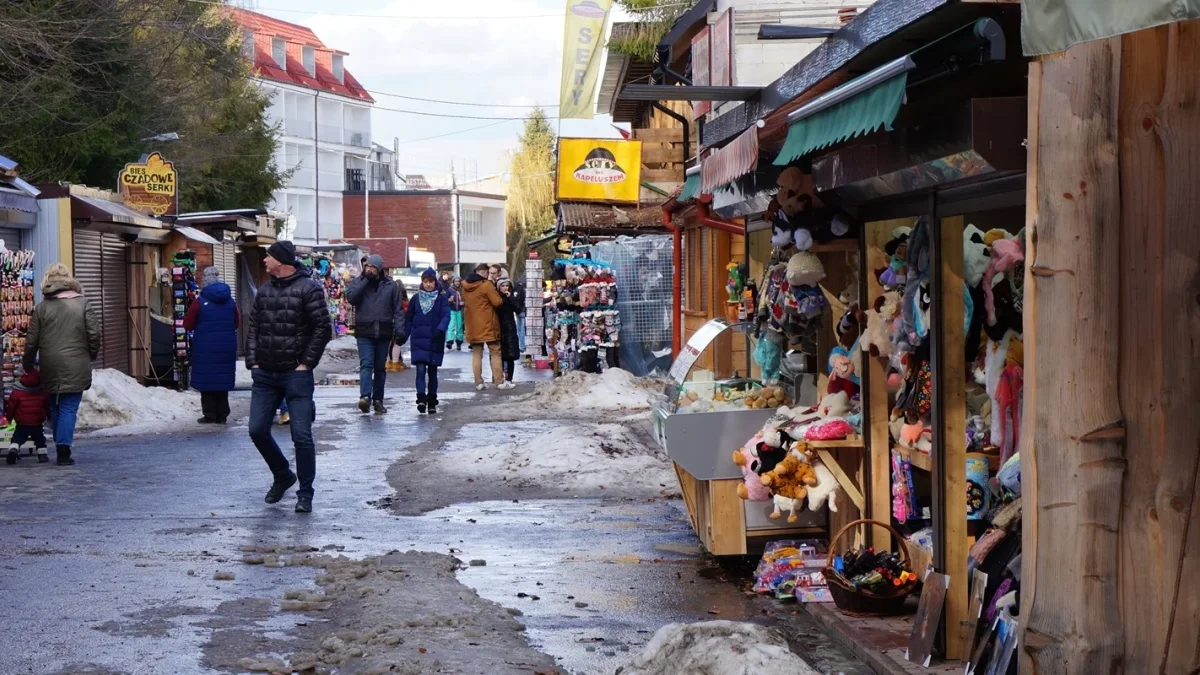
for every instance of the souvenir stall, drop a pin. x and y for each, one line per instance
(16, 307)
(184, 290)
(535, 320)
(335, 276)
(581, 316)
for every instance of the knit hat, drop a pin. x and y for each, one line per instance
(211, 275)
(429, 274)
(375, 261)
(805, 269)
(284, 253)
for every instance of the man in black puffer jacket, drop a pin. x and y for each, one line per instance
(288, 330)
(378, 320)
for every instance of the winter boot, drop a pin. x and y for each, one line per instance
(379, 409)
(280, 488)
(458, 346)
(449, 346)
(303, 504)
(433, 404)
(64, 455)
(14, 453)
(420, 404)
(364, 404)
(42, 456)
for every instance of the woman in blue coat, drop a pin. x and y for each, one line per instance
(213, 318)
(428, 318)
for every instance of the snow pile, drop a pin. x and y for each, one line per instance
(242, 377)
(578, 457)
(345, 347)
(616, 389)
(717, 648)
(117, 405)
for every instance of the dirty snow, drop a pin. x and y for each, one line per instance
(613, 390)
(717, 648)
(345, 347)
(577, 457)
(117, 405)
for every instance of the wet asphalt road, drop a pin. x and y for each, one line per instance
(107, 566)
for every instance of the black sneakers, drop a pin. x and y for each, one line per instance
(303, 504)
(15, 453)
(379, 409)
(279, 488)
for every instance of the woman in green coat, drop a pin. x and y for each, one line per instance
(64, 339)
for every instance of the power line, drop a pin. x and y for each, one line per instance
(452, 133)
(466, 103)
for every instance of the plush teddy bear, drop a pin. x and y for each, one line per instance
(788, 483)
(790, 499)
(835, 405)
(793, 197)
(877, 337)
(825, 490)
(746, 457)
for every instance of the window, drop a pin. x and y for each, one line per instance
(472, 228)
(279, 51)
(339, 69)
(248, 44)
(309, 57)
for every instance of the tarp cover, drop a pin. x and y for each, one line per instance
(1049, 26)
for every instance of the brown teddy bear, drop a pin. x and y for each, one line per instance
(789, 482)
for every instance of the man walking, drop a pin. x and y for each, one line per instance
(289, 327)
(480, 300)
(378, 320)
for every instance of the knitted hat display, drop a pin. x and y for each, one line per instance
(805, 269)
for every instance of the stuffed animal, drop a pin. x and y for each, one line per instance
(876, 339)
(790, 499)
(793, 197)
(825, 490)
(975, 256)
(1007, 254)
(787, 482)
(835, 405)
(842, 377)
(746, 457)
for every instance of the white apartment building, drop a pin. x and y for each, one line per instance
(324, 118)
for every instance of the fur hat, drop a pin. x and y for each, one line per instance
(805, 269)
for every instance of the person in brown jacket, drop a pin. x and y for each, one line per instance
(480, 300)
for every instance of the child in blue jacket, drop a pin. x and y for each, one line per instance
(428, 318)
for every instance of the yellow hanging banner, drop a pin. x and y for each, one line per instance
(584, 35)
(600, 170)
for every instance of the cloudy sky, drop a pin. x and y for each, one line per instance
(498, 52)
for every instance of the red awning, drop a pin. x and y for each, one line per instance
(730, 162)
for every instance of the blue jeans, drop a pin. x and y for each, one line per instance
(269, 391)
(372, 367)
(283, 409)
(521, 332)
(422, 370)
(64, 409)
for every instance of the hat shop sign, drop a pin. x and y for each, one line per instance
(150, 186)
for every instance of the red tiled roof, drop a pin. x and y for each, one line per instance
(394, 251)
(296, 36)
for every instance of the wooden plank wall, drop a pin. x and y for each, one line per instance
(1111, 475)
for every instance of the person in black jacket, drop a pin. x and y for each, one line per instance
(378, 320)
(510, 349)
(289, 327)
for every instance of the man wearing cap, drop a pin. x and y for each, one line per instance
(289, 328)
(378, 320)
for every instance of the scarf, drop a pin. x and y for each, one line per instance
(427, 298)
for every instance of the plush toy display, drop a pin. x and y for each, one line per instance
(746, 457)
(789, 482)
(805, 269)
(826, 489)
(1007, 254)
(842, 377)
(975, 256)
(835, 405)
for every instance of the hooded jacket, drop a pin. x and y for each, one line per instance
(28, 404)
(427, 339)
(289, 326)
(64, 338)
(214, 320)
(480, 300)
(378, 306)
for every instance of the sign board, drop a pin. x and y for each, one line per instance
(594, 169)
(150, 186)
(583, 38)
(722, 50)
(700, 70)
(694, 347)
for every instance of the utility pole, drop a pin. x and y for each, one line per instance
(316, 172)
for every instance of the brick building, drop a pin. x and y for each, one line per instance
(459, 226)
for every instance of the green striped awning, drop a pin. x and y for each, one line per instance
(866, 112)
(691, 188)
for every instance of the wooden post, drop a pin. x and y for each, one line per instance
(1159, 334)
(952, 379)
(875, 401)
(1074, 624)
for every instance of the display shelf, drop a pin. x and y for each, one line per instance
(918, 459)
(853, 441)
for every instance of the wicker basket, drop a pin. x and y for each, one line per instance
(861, 602)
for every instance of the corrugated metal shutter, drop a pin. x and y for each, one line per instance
(102, 267)
(116, 303)
(11, 238)
(225, 260)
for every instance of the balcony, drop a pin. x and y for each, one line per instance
(302, 178)
(358, 138)
(355, 180)
(329, 133)
(298, 127)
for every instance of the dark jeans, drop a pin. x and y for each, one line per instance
(270, 389)
(215, 405)
(26, 432)
(509, 368)
(372, 367)
(422, 371)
